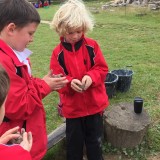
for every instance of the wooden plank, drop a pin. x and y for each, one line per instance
(57, 135)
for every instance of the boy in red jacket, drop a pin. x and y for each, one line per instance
(14, 152)
(24, 108)
(84, 99)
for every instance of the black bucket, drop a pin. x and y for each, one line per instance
(124, 79)
(110, 84)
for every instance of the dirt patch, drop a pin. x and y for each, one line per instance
(115, 157)
(112, 157)
(106, 157)
(119, 157)
(157, 157)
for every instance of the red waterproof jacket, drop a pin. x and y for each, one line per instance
(75, 61)
(13, 152)
(24, 101)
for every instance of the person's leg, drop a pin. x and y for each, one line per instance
(74, 138)
(93, 139)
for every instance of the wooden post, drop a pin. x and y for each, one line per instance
(123, 128)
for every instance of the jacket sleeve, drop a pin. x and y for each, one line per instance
(99, 70)
(25, 94)
(14, 152)
(57, 69)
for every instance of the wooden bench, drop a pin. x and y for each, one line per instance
(57, 135)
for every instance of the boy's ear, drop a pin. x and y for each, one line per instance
(10, 28)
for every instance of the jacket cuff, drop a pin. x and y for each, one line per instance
(46, 87)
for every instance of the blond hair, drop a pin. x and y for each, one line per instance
(70, 16)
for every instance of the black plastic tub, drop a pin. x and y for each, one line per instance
(110, 84)
(124, 79)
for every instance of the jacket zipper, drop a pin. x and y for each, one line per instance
(79, 75)
(74, 52)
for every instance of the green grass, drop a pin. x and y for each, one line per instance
(126, 37)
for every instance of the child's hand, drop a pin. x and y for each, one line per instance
(27, 141)
(86, 82)
(57, 75)
(54, 82)
(20, 138)
(10, 135)
(76, 85)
